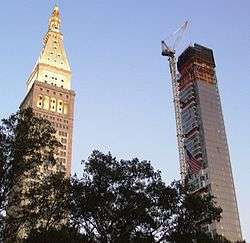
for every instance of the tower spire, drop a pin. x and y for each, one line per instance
(53, 58)
(55, 21)
(49, 91)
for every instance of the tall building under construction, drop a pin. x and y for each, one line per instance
(204, 136)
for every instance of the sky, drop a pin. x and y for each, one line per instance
(122, 83)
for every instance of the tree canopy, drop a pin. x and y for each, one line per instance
(127, 201)
(112, 201)
(27, 144)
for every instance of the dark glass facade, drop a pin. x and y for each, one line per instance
(204, 135)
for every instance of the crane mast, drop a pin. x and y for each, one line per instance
(170, 53)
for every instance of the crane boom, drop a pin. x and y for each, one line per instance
(170, 53)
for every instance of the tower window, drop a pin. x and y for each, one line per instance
(66, 107)
(46, 102)
(59, 107)
(39, 101)
(46, 75)
(62, 80)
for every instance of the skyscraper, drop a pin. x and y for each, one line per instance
(49, 90)
(204, 135)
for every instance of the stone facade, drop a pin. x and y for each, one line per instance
(49, 90)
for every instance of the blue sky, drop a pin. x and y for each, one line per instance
(124, 99)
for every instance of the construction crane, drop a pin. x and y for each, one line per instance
(169, 51)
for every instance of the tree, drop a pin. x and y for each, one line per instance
(63, 235)
(193, 212)
(48, 205)
(27, 144)
(117, 201)
(127, 201)
(113, 201)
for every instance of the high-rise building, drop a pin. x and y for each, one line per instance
(49, 90)
(205, 137)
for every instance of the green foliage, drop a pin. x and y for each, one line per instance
(113, 201)
(48, 206)
(27, 143)
(193, 211)
(64, 235)
(120, 201)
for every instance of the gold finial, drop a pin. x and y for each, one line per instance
(54, 21)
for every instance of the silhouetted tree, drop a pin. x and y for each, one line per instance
(27, 143)
(113, 201)
(127, 201)
(48, 206)
(63, 235)
(193, 212)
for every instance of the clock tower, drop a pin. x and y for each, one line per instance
(49, 90)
